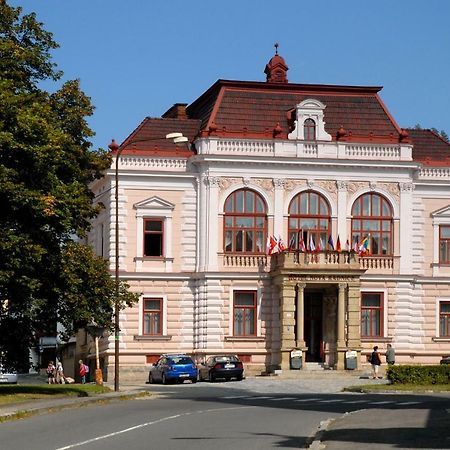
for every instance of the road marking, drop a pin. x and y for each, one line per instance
(307, 400)
(409, 403)
(357, 401)
(336, 400)
(261, 398)
(232, 397)
(146, 424)
(277, 399)
(386, 402)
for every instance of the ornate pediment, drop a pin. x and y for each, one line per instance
(155, 204)
(442, 212)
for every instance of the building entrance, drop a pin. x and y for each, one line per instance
(313, 326)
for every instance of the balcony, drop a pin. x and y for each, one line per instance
(326, 260)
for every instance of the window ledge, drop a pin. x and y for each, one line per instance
(245, 338)
(143, 337)
(441, 339)
(153, 258)
(376, 339)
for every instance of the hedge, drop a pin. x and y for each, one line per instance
(438, 374)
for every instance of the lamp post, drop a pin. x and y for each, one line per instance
(177, 138)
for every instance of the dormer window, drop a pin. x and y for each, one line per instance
(309, 123)
(309, 130)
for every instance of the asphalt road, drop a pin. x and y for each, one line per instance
(252, 414)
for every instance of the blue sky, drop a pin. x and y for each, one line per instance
(136, 58)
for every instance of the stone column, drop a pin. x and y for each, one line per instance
(341, 347)
(406, 207)
(354, 316)
(342, 212)
(287, 311)
(211, 230)
(299, 317)
(278, 227)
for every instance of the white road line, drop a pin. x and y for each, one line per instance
(386, 402)
(330, 401)
(356, 401)
(307, 400)
(146, 424)
(409, 403)
(232, 397)
(261, 398)
(277, 399)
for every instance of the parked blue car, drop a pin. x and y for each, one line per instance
(173, 368)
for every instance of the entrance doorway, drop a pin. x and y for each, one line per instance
(313, 326)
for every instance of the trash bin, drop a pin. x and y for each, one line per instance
(351, 362)
(296, 359)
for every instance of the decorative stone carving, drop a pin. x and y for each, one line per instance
(310, 184)
(408, 187)
(279, 183)
(372, 185)
(212, 181)
(355, 186)
(246, 181)
(265, 183)
(342, 185)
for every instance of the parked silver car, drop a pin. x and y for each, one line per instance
(7, 376)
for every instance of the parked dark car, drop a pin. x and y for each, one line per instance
(221, 366)
(445, 360)
(173, 368)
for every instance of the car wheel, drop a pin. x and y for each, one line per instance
(194, 380)
(164, 379)
(211, 377)
(150, 378)
(239, 378)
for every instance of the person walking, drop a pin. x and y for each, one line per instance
(60, 379)
(51, 372)
(375, 360)
(390, 355)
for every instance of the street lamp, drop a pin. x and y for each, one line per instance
(177, 138)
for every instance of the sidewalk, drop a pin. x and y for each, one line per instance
(44, 405)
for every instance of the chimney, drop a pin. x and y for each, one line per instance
(177, 111)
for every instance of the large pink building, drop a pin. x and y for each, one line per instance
(307, 164)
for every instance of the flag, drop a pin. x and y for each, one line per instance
(338, 244)
(363, 246)
(320, 245)
(347, 246)
(292, 242)
(302, 245)
(312, 247)
(280, 243)
(331, 243)
(272, 245)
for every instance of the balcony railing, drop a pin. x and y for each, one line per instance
(326, 260)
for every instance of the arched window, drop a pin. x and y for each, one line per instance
(309, 220)
(245, 222)
(309, 127)
(372, 218)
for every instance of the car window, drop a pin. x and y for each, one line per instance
(182, 360)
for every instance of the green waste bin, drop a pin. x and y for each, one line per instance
(296, 359)
(351, 360)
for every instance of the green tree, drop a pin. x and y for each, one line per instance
(46, 165)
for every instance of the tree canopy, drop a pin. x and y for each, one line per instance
(46, 165)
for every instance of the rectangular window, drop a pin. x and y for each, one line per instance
(153, 237)
(371, 314)
(244, 313)
(444, 244)
(152, 315)
(444, 319)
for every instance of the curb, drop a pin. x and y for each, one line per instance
(66, 403)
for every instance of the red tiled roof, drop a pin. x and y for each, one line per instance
(255, 108)
(149, 137)
(429, 148)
